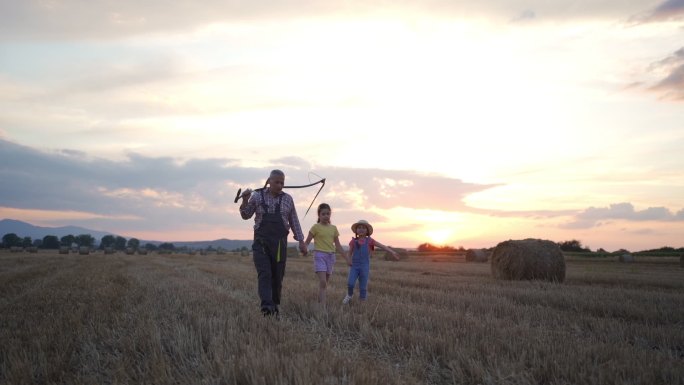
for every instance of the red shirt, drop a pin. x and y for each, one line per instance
(362, 241)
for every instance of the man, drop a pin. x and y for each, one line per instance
(275, 216)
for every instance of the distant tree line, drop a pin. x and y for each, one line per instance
(576, 246)
(573, 245)
(120, 243)
(443, 249)
(666, 249)
(87, 240)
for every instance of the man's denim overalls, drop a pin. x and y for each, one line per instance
(270, 254)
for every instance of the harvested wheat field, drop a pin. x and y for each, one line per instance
(161, 319)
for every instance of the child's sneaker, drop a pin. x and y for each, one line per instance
(346, 299)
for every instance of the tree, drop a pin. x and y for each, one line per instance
(430, 247)
(107, 241)
(120, 243)
(10, 240)
(425, 247)
(150, 247)
(86, 240)
(50, 242)
(573, 245)
(26, 242)
(134, 243)
(167, 246)
(38, 243)
(67, 240)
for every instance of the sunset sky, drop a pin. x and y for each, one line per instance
(450, 122)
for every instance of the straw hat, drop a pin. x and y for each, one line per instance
(362, 222)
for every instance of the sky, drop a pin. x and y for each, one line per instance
(449, 122)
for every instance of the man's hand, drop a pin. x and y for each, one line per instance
(303, 249)
(245, 197)
(246, 194)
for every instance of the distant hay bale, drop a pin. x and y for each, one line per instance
(130, 251)
(477, 255)
(401, 253)
(84, 250)
(528, 259)
(109, 250)
(64, 249)
(32, 249)
(16, 249)
(245, 253)
(626, 258)
(142, 251)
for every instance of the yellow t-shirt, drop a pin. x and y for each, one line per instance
(324, 237)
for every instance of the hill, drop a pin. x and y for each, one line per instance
(24, 229)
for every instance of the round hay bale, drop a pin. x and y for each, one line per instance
(16, 249)
(64, 249)
(401, 253)
(109, 250)
(84, 250)
(32, 249)
(245, 253)
(130, 251)
(142, 251)
(528, 259)
(626, 258)
(477, 255)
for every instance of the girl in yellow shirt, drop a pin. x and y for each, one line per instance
(326, 242)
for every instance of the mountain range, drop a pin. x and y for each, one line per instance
(24, 229)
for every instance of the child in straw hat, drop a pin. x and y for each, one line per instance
(360, 250)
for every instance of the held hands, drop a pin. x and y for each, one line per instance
(303, 249)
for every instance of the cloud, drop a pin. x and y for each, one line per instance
(525, 15)
(594, 216)
(671, 70)
(293, 161)
(93, 20)
(666, 11)
(157, 189)
(142, 193)
(71, 19)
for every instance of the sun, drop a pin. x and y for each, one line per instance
(438, 237)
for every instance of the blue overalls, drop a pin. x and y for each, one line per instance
(360, 268)
(270, 254)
